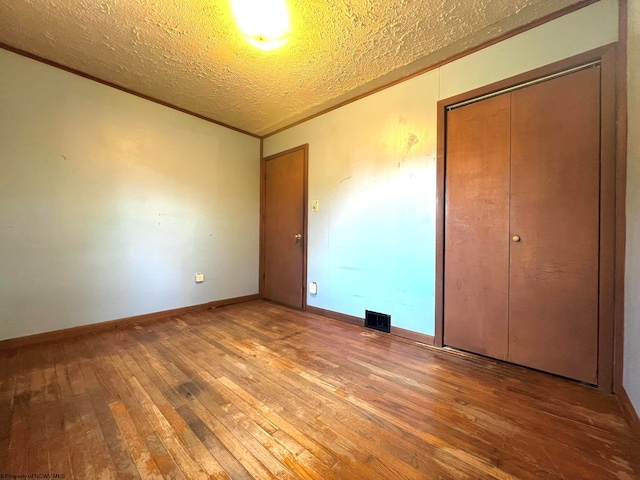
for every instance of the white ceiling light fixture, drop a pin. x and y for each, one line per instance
(264, 23)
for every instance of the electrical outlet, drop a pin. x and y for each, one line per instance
(199, 277)
(315, 206)
(313, 288)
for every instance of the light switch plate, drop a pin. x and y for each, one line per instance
(199, 277)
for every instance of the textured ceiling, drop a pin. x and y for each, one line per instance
(189, 53)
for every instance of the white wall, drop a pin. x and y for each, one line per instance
(109, 204)
(372, 166)
(632, 272)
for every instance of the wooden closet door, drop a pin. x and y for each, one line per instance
(555, 188)
(476, 264)
(285, 178)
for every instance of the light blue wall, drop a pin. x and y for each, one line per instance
(372, 167)
(109, 204)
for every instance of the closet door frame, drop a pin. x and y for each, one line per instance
(612, 187)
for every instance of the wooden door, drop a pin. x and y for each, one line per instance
(555, 199)
(476, 225)
(284, 228)
(522, 225)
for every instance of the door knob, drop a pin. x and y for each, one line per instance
(516, 238)
(298, 237)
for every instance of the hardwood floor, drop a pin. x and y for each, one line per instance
(256, 390)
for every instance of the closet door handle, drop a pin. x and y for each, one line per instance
(516, 238)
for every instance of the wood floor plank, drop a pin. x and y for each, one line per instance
(147, 468)
(80, 461)
(180, 453)
(219, 408)
(352, 449)
(261, 429)
(56, 441)
(94, 441)
(397, 459)
(272, 429)
(185, 423)
(287, 432)
(235, 439)
(7, 394)
(144, 440)
(38, 410)
(100, 396)
(19, 440)
(349, 452)
(257, 390)
(191, 455)
(582, 460)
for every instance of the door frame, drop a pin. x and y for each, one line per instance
(263, 198)
(612, 211)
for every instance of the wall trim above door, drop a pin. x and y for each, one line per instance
(612, 210)
(263, 168)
